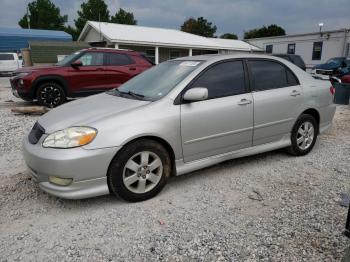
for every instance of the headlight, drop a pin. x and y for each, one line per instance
(70, 137)
(22, 74)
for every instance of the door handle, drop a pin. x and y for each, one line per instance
(244, 102)
(132, 68)
(295, 93)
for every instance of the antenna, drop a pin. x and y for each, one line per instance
(99, 24)
(28, 17)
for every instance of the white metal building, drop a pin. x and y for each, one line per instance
(314, 48)
(159, 44)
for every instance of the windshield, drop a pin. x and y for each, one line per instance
(335, 61)
(68, 59)
(158, 81)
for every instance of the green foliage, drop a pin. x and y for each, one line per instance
(271, 30)
(43, 15)
(93, 10)
(229, 36)
(73, 32)
(124, 17)
(199, 26)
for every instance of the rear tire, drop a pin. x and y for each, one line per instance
(304, 135)
(50, 94)
(139, 171)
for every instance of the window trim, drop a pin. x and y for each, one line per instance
(179, 99)
(292, 44)
(251, 84)
(313, 51)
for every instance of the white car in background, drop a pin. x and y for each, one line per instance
(9, 62)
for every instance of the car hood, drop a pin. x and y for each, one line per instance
(36, 68)
(86, 111)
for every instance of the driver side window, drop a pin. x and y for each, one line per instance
(92, 59)
(223, 79)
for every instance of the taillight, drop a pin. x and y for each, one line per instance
(332, 90)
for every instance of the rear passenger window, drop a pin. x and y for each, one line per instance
(118, 59)
(268, 75)
(224, 79)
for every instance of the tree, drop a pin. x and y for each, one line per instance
(199, 26)
(72, 31)
(229, 36)
(93, 10)
(124, 17)
(271, 30)
(43, 14)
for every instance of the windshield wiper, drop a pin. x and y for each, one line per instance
(131, 93)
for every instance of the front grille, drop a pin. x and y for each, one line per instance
(36, 133)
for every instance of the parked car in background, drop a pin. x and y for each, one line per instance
(9, 62)
(182, 115)
(82, 73)
(345, 78)
(336, 66)
(295, 59)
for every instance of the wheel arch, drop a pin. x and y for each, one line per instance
(315, 114)
(51, 78)
(157, 139)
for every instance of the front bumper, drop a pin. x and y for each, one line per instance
(20, 91)
(88, 168)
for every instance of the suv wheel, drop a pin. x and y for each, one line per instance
(139, 171)
(50, 94)
(304, 135)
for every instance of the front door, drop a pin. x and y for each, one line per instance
(277, 99)
(89, 77)
(224, 122)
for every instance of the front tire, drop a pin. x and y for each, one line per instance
(50, 95)
(139, 171)
(304, 135)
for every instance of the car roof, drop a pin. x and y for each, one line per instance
(218, 57)
(281, 54)
(110, 50)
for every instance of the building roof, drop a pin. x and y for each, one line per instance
(131, 34)
(236, 44)
(34, 33)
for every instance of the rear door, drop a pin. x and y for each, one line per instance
(277, 98)
(119, 68)
(8, 62)
(89, 77)
(224, 122)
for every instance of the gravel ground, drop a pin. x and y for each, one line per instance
(269, 207)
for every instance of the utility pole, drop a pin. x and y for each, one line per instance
(28, 17)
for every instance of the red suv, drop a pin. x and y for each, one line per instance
(82, 73)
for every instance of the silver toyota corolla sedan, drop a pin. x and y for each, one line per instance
(180, 116)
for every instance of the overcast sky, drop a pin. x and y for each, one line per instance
(295, 16)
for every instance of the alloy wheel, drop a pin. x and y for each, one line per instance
(142, 172)
(50, 96)
(305, 135)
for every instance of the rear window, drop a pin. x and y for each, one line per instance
(7, 57)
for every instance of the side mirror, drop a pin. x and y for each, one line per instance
(76, 64)
(196, 94)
